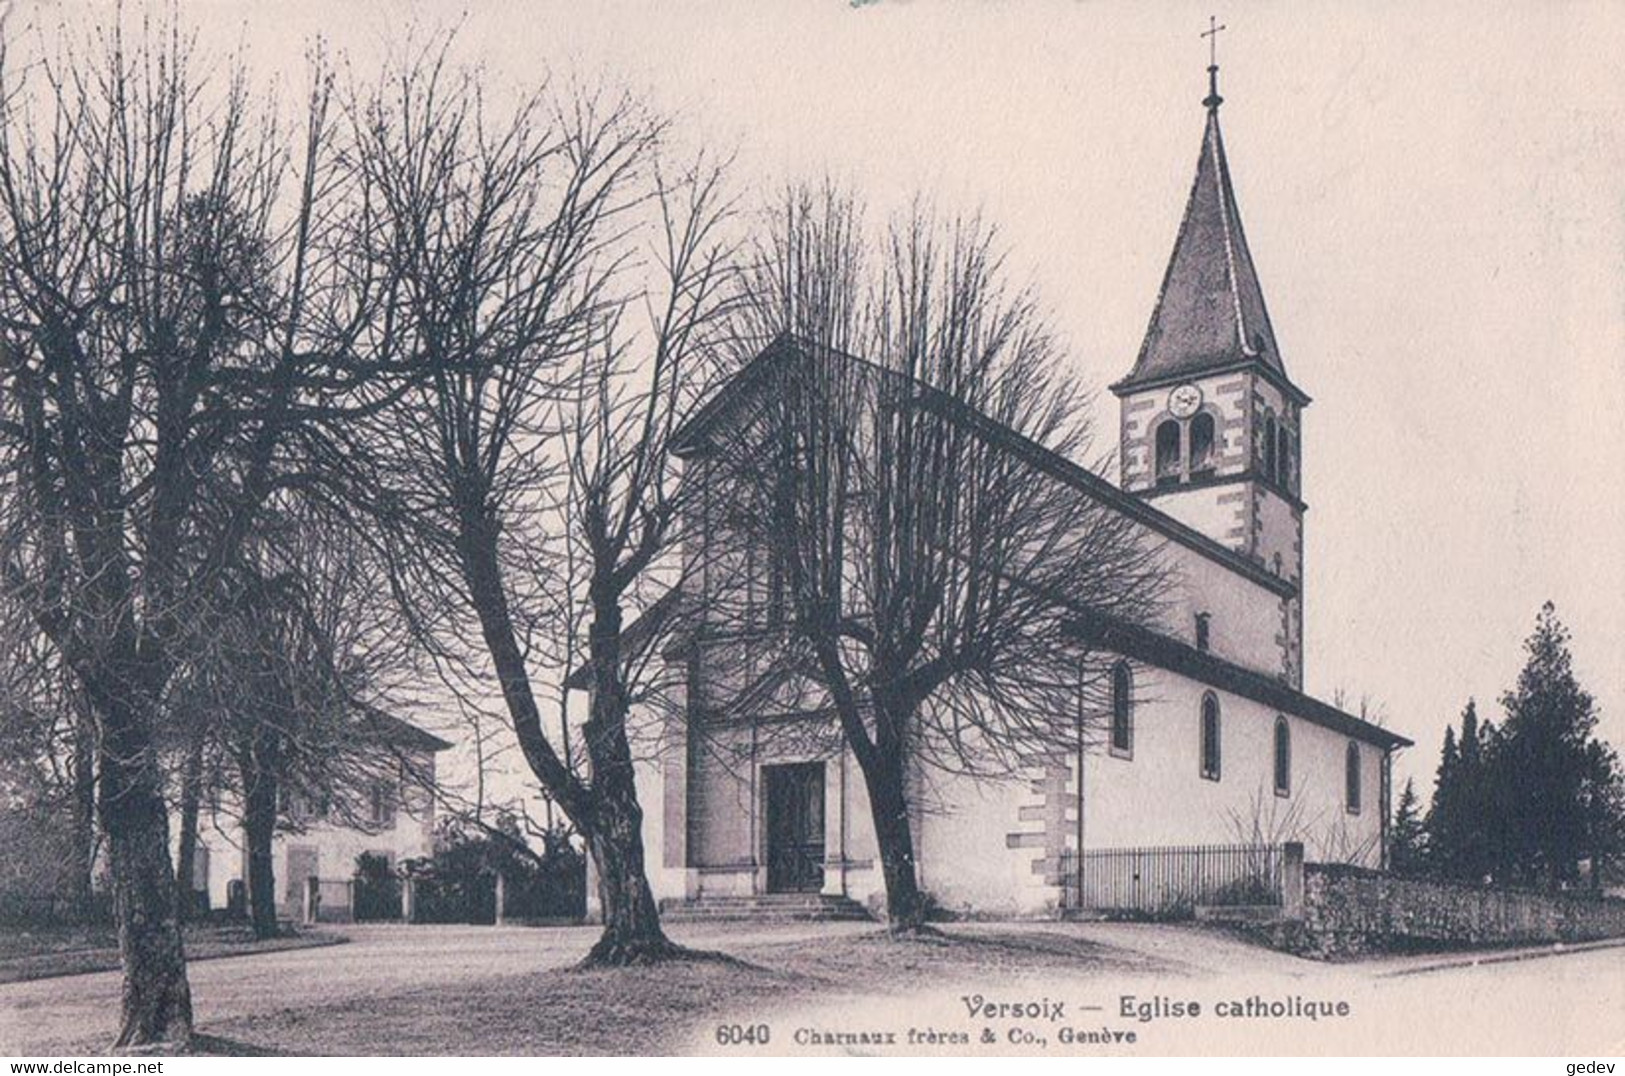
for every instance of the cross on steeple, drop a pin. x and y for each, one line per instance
(1213, 99)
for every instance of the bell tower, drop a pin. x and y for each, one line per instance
(1211, 426)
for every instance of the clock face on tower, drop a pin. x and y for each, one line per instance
(1184, 400)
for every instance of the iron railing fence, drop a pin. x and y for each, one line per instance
(1173, 880)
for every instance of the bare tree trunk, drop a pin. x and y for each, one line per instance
(83, 876)
(157, 1000)
(259, 827)
(885, 779)
(610, 819)
(884, 765)
(186, 854)
(632, 932)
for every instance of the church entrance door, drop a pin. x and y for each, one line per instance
(795, 827)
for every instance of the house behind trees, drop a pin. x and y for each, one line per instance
(1202, 735)
(385, 808)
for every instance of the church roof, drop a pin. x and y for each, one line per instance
(1175, 655)
(691, 436)
(1210, 313)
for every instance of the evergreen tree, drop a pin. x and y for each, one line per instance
(1407, 839)
(1603, 796)
(1442, 826)
(1477, 820)
(1461, 825)
(1556, 790)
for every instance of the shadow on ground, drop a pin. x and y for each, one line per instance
(655, 1009)
(216, 1046)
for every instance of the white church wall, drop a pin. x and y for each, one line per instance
(964, 831)
(851, 853)
(1244, 619)
(721, 807)
(1159, 796)
(654, 780)
(1223, 513)
(991, 847)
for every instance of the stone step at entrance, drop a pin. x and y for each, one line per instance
(764, 908)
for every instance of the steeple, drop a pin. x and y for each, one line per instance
(1210, 312)
(1211, 429)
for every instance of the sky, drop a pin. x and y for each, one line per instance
(1432, 197)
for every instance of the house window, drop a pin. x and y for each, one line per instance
(1210, 736)
(1202, 437)
(1122, 738)
(1203, 620)
(1286, 456)
(1351, 777)
(1283, 757)
(382, 804)
(1168, 453)
(301, 807)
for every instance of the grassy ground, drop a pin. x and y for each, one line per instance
(651, 1010)
(47, 952)
(481, 990)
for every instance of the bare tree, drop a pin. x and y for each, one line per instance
(525, 485)
(900, 451)
(618, 514)
(299, 678)
(166, 261)
(47, 767)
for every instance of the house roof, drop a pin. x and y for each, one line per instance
(393, 730)
(1210, 313)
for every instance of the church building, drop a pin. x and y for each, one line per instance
(1210, 739)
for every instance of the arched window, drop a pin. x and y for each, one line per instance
(1271, 456)
(1351, 777)
(1283, 758)
(1168, 453)
(1210, 736)
(1287, 453)
(1122, 737)
(1202, 437)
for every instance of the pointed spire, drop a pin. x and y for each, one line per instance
(1210, 312)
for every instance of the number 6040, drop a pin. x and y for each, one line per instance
(743, 1034)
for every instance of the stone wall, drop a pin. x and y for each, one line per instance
(1346, 911)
